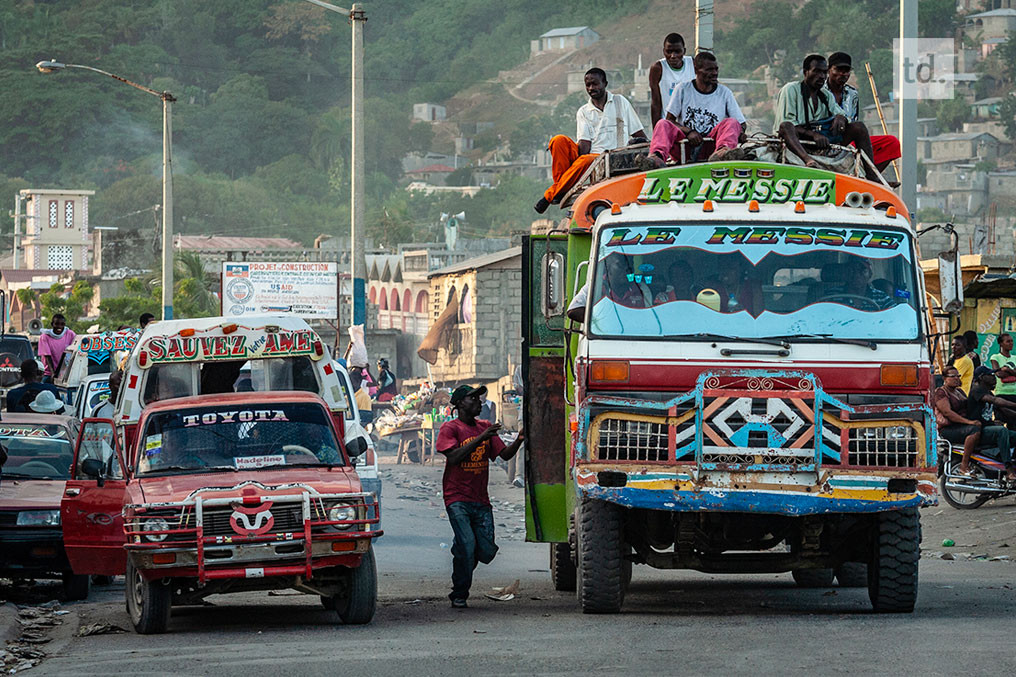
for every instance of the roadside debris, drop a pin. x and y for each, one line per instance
(506, 593)
(99, 629)
(36, 623)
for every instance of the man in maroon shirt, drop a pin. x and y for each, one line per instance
(468, 445)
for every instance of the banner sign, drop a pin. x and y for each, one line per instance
(236, 346)
(307, 289)
(739, 184)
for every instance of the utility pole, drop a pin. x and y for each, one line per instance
(167, 206)
(908, 106)
(703, 26)
(357, 258)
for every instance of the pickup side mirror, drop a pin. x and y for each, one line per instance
(92, 467)
(356, 446)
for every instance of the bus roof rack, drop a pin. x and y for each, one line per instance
(760, 148)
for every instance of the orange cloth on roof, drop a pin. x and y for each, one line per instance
(567, 166)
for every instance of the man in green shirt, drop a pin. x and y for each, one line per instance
(804, 110)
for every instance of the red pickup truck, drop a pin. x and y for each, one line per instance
(223, 493)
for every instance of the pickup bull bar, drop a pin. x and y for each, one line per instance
(282, 515)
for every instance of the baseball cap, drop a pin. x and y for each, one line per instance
(464, 391)
(982, 371)
(840, 59)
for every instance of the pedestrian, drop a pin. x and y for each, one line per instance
(145, 319)
(469, 444)
(106, 408)
(19, 398)
(52, 344)
(387, 386)
(961, 360)
(1004, 365)
(973, 343)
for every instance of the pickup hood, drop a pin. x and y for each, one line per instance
(31, 494)
(174, 488)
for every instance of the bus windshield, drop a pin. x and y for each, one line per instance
(754, 281)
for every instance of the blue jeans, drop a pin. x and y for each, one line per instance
(473, 524)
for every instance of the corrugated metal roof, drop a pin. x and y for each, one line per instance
(477, 262)
(564, 32)
(28, 274)
(230, 242)
(432, 168)
(994, 12)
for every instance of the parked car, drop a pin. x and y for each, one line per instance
(14, 349)
(220, 493)
(31, 485)
(91, 392)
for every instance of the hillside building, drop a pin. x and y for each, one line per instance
(429, 112)
(563, 40)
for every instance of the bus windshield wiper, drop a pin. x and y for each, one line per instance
(767, 340)
(866, 343)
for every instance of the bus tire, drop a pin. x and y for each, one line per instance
(357, 606)
(149, 603)
(813, 578)
(852, 575)
(892, 573)
(562, 567)
(601, 557)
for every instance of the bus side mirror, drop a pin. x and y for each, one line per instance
(950, 281)
(552, 298)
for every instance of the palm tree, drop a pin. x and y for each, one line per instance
(193, 290)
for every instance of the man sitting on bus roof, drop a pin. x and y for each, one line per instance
(806, 110)
(700, 109)
(607, 122)
(885, 147)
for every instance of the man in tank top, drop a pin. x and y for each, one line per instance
(673, 70)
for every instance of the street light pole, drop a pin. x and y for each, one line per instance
(357, 258)
(53, 66)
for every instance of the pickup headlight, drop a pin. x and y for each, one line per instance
(38, 518)
(342, 512)
(155, 524)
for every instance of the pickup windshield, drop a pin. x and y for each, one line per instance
(754, 281)
(40, 451)
(246, 437)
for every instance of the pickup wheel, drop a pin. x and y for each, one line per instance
(562, 567)
(852, 575)
(892, 573)
(601, 577)
(75, 588)
(148, 602)
(357, 607)
(813, 578)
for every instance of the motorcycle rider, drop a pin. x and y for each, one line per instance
(950, 413)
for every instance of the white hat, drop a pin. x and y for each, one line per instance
(45, 403)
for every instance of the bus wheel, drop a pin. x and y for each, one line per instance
(813, 578)
(892, 573)
(562, 567)
(601, 557)
(852, 575)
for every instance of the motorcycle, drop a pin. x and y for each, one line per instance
(968, 493)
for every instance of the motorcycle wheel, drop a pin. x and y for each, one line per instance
(961, 500)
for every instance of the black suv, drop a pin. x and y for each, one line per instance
(14, 349)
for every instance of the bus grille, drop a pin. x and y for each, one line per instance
(883, 447)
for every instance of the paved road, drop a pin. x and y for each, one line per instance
(674, 622)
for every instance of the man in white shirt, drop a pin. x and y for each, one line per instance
(607, 122)
(699, 109)
(667, 74)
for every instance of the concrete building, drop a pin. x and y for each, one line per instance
(563, 40)
(474, 325)
(435, 174)
(214, 249)
(959, 148)
(56, 234)
(429, 112)
(996, 23)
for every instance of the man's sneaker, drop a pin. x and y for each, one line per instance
(459, 604)
(541, 207)
(728, 155)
